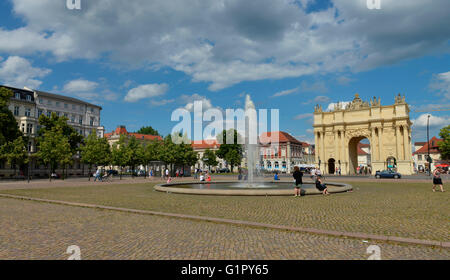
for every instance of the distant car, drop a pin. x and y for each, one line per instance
(387, 174)
(113, 172)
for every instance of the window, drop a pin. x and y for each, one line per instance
(419, 157)
(66, 106)
(16, 110)
(41, 101)
(29, 146)
(49, 102)
(72, 118)
(92, 110)
(23, 127)
(92, 121)
(29, 128)
(28, 97)
(27, 112)
(66, 115)
(17, 95)
(80, 120)
(40, 112)
(74, 107)
(57, 104)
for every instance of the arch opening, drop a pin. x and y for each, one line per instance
(360, 160)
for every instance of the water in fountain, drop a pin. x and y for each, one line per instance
(251, 138)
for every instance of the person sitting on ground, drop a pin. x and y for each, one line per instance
(298, 177)
(321, 186)
(437, 180)
(276, 178)
(202, 177)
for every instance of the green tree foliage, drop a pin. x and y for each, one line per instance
(15, 152)
(60, 123)
(95, 151)
(9, 130)
(148, 130)
(230, 152)
(135, 153)
(54, 149)
(209, 158)
(444, 146)
(119, 154)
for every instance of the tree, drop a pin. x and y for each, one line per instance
(148, 130)
(444, 146)
(152, 151)
(54, 149)
(15, 152)
(135, 154)
(95, 151)
(9, 131)
(60, 123)
(209, 158)
(119, 154)
(230, 152)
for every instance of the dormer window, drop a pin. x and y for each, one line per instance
(17, 95)
(28, 97)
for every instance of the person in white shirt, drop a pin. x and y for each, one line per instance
(167, 173)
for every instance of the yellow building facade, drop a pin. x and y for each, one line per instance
(388, 128)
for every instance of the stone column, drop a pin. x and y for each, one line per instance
(380, 144)
(316, 141)
(336, 147)
(407, 151)
(398, 139)
(322, 157)
(373, 146)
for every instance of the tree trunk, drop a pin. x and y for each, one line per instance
(50, 173)
(120, 173)
(89, 174)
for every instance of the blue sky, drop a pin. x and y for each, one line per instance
(140, 61)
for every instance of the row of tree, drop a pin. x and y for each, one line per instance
(58, 144)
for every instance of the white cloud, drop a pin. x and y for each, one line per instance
(321, 99)
(146, 91)
(80, 85)
(441, 84)
(229, 41)
(18, 72)
(303, 116)
(161, 102)
(285, 92)
(316, 87)
(332, 105)
(190, 99)
(435, 121)
(344, 80)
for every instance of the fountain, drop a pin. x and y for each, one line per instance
(251, 139)
(251, 187)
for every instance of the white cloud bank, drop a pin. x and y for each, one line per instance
(226, 42)
(19, 72)
(146, 91)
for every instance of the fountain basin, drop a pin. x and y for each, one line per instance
(242, 189)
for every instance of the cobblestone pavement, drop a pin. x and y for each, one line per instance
(402, 209)
(32, 230)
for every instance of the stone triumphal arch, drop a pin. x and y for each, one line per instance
(388, 128)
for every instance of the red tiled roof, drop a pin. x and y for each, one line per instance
(434, 149)
(283, 137)
(205, 144)
(121, 130)
(361, 151)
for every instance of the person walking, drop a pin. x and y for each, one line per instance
(298, 177)
(437, 180)
(167, 173)
(98, 175)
